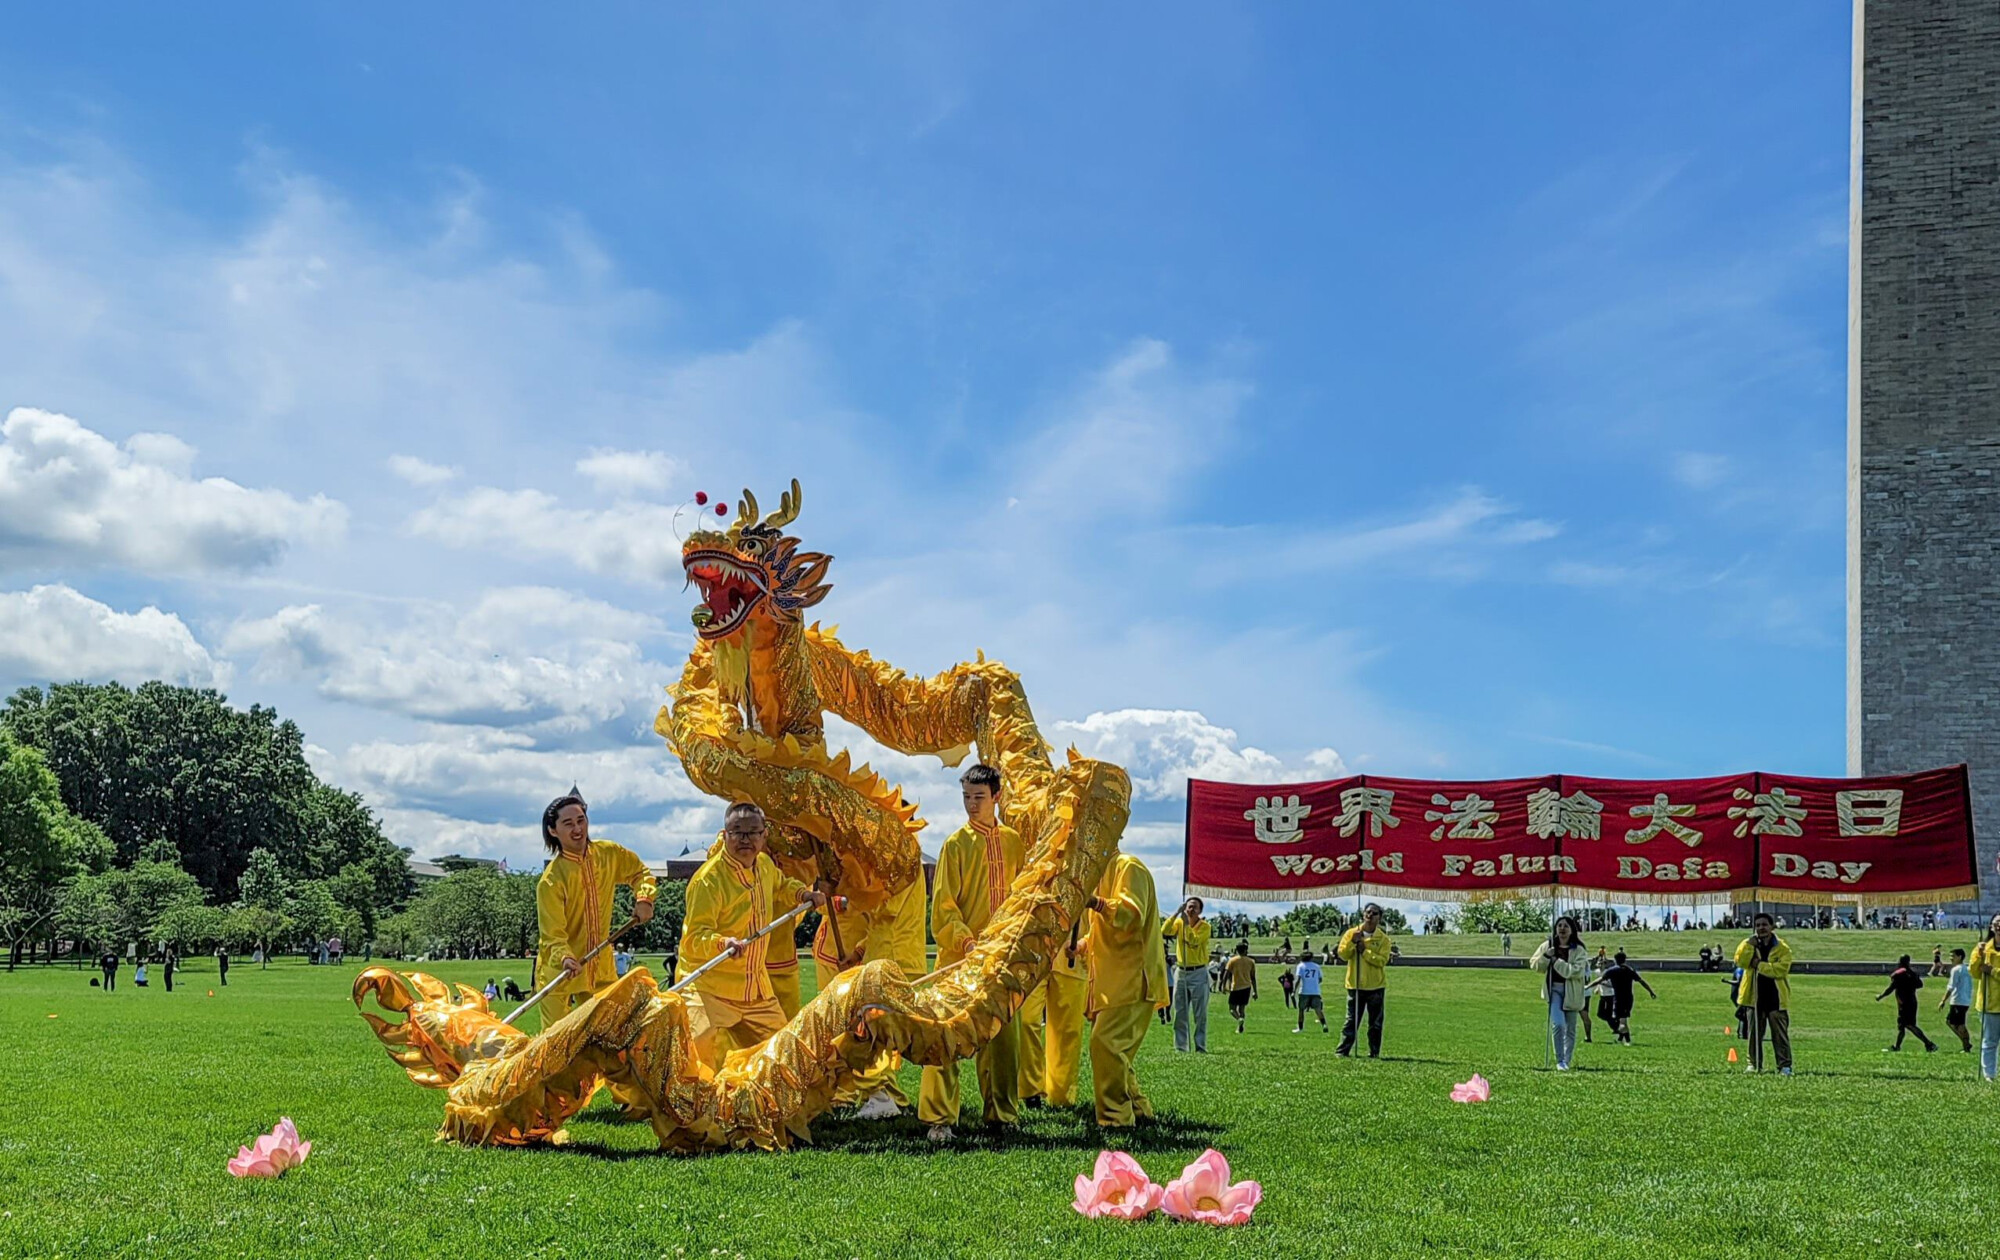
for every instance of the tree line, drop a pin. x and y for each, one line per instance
(160, 816)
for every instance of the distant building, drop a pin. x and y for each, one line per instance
(424, 872)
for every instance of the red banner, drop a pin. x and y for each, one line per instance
(1904, 838)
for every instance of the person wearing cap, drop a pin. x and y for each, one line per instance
(573, 903)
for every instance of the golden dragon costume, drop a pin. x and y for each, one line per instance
(747, 721)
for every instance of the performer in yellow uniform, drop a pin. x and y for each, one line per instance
(1190, 934)
(1128, 982)
(573, 903)
(1068, 989)
(894, 931)
(975, 870)
(734, 895)
(781, 959)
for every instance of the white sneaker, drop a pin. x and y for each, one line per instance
(881, 1105)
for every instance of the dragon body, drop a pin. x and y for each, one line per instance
(747, 720)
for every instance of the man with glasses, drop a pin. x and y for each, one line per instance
(734, 896)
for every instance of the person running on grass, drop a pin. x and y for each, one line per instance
(1904, 983)
(1562, 960)
(1616, 987)
(1308, 997)
(1241, 974)
(1288, 982)
(1957, 999)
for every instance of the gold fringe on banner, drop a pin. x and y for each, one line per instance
(1919, 897)
(1618, 896)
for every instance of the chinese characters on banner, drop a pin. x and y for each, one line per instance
(1905, 838)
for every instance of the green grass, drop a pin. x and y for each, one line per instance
(122, 1111)
(1843, 945)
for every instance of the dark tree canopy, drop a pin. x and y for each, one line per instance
(179, 765)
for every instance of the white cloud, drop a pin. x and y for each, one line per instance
(1129, 440)
(1163, 748)
(71, 498)
(1701, 470)
(420, 472)
(522, 655)
(55, 634)
(630, 472)
(494, 777)
(635, 541)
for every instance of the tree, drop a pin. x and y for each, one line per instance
(265, 892)
(1519, 914)
(41, 846)
(178, 764)
(313, 911)
(191, 926)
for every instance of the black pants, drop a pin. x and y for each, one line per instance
(167, 973)
(225, 977)
(110, 977)
(1358, 1001)
(1906, 1022)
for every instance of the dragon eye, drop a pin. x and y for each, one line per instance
(751, 546)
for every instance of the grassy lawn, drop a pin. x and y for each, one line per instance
(124, 1108)
(1842, 945)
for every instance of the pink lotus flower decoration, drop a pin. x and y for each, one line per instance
(1203, 1193)
(1476, 1090)
(1119, 1188)
(273, 1154)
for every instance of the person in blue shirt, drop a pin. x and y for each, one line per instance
(1307, 977)
(1957, 999)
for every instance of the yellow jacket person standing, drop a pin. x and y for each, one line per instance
(1365, 950)
(736, 894)
(1766, 992)
(975, 872)
(573, 903)
(1128, 982)
(1190, 934)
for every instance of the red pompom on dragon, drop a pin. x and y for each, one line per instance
(747, 721)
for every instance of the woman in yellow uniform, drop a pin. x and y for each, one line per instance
(573, 903)
(730, 899)
(1128, 982)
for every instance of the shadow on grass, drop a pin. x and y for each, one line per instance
(906, 1135)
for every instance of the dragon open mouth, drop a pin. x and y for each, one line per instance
(729, 591)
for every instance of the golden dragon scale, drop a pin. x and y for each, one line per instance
(747, 721)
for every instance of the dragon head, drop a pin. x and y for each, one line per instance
(753, 571)
(441, 1032)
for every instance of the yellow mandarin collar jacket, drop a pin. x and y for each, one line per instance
(573, 911)
(724, 900)
(1123, 949)
(968, 887)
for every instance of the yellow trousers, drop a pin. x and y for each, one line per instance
(740, 1025)
(1067, 996)
(999, 1083)
(1034, 1072)
(1115, 1037)
(786, 985)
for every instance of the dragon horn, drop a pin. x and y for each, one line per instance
(746, 513)
(788, 507)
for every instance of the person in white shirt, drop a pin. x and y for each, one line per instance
(1957, 999)
(1307, 977)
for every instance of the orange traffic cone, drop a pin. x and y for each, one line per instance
(211, 993)
(1732, 1054)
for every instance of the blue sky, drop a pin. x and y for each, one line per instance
(1427, 390)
